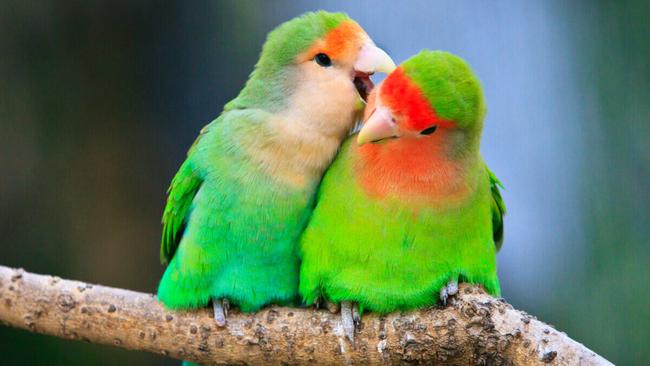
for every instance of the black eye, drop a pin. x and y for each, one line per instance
(429, 130)
(323, 60)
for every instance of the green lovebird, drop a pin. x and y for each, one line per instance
(238, 204)
(411, 208)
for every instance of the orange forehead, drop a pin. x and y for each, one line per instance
(404, 97)
(339, 42)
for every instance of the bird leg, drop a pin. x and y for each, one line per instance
(450, 289)
(356, 315)
(350, 317)
(226, 306)
(221, 307)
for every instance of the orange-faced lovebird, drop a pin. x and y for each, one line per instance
(408, 207)
(238, 204)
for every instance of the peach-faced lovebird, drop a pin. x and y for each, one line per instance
(409, 208)
(241, 199)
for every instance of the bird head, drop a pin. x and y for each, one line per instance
(433, 98)
(317, 67)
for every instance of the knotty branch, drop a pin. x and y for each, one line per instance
(474, 329)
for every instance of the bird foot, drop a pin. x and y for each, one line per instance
(350, 317)
(332, 307)
(221, 307)
(448, 290)
(326, 304)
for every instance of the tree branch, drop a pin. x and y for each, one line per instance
(474, 329)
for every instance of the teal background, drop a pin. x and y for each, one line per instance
(100, 100)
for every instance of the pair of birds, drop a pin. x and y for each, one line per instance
(406, 209)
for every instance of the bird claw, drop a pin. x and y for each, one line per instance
(356, 316)
(351, 318)
(448, 290)
(452, 287)
(221, 307)
(332, 307)
(444, 295)
(226, 306)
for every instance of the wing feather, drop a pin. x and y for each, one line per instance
(498, 209)
(180, 197)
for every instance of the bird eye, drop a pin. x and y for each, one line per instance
(429, 130)
(323, 60)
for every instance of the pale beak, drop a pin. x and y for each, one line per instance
(373, 59)
(379, 126)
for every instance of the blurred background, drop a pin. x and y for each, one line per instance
(100, 100)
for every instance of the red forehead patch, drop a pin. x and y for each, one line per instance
(404, 97)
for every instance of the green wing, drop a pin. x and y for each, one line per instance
(498, 209)
(180, 196)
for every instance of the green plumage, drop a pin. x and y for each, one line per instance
(231, 229)
(267, 86)
(449, 85)
(389, 253)
(386, 256)
(498, 209)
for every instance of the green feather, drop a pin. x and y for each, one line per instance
(386, 253)
(229, 229)
(234, 230)
(449, 84)
(498, 209)
(268, 83)
(180, 196)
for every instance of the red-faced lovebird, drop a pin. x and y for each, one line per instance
(239, 202)
(409, 208)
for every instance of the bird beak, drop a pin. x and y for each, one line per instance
(379, 126)
(373, 59)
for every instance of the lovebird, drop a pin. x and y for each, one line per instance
(410, 208)
(239, 202)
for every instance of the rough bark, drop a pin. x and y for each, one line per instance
(474, 329)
